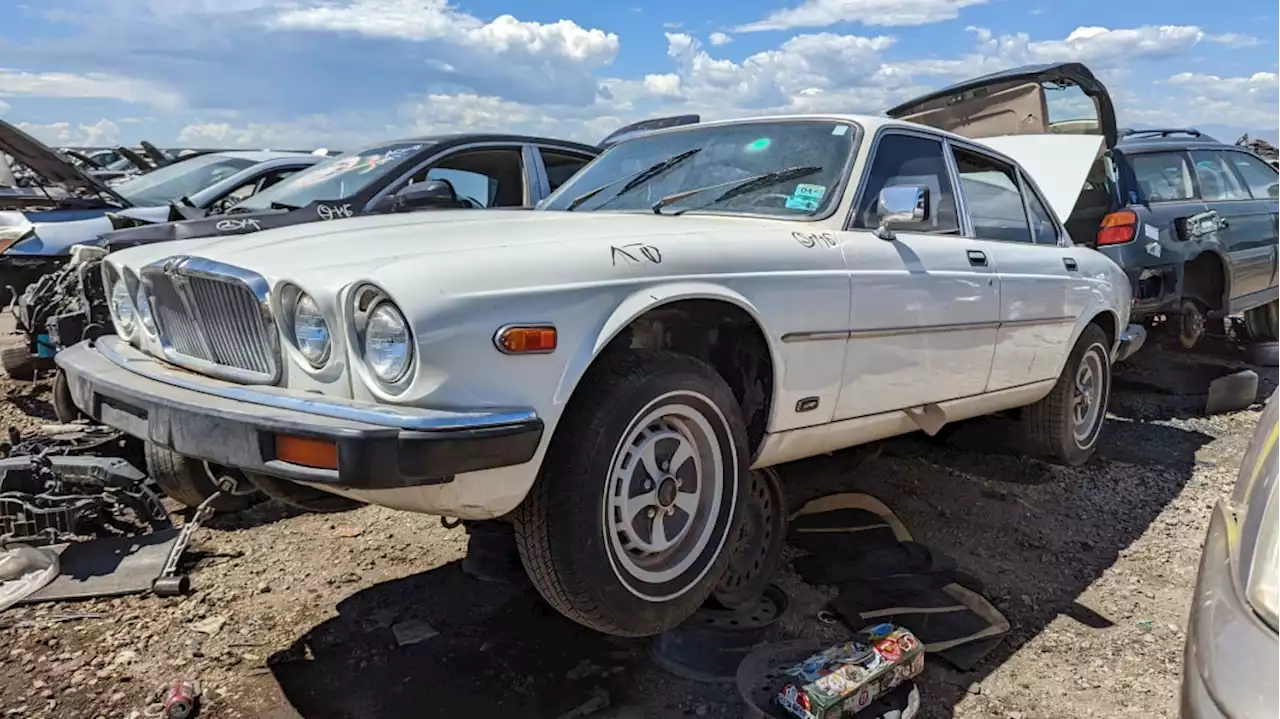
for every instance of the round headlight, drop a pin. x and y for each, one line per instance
(122, 310)
(142, 306)
(387, 351)
(310, 331)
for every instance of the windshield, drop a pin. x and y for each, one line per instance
(726, 153)
(181, 179)
(335, 179)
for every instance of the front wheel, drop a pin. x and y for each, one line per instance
(626, 529)
(1064, 426)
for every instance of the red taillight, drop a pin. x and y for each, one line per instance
(1118, 228)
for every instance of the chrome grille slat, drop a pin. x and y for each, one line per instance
(211, 319)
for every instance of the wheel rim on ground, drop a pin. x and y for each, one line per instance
(663, 504)
(1089, 400)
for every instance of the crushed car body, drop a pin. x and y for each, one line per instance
(605, 369)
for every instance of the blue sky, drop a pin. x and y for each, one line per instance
(340, 73)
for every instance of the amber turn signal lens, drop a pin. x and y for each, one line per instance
(306, 451)
(526, 340)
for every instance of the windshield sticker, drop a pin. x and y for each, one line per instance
(839, 130)
(398, 153)
(325, 171)
(759, 145)
(806, 197)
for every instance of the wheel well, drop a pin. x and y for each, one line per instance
(1205, 278)
(721, 334)
(1107, 322)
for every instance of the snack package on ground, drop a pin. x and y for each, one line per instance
(843, 680)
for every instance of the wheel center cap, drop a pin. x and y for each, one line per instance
(667, 492)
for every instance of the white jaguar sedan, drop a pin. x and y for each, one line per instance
(605, 371)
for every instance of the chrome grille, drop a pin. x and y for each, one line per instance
(212, 318)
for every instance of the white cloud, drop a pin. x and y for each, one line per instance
(102, 132)
(1234, 39)
(92, 85)
(437, 20)
(719, 38)
(822, 13)
(1203, 99)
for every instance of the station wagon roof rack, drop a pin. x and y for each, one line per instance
(1162, 132)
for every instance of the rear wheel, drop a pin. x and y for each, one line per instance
(1064, 426)
(300, 496)
(63, 406)
(192, 481)
(1261, 322)
(627, 528)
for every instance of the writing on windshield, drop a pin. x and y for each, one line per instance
(335, 179)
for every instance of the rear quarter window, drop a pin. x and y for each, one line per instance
(1162, 176)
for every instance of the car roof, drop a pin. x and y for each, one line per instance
(870, 124)
(1143, 140)
(258, 155)
(465, 137)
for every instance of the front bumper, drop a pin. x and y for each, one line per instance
(1229, 666)
(1131, 340)
(378, 446)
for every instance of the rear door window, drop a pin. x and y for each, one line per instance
(1260, 177)
(1215, 177)
(1162, 176)
(992, 197)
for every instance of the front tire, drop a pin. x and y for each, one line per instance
(627, 528)
(1261, 322)
(190, 481)
(1064, 426)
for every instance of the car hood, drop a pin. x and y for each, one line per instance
(49, 165)
(353, 246)
(57, 238)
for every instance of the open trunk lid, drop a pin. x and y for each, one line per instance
(1016, 102)
(50, 166)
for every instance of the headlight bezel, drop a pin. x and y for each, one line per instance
(144, 312)
(304, 302)
(289, 297)
(365, 300)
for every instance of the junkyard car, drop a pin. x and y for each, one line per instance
(605, 370)
(1230, 665)
(1191, 220)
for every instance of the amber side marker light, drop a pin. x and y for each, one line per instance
(308, 452)
(1118, 228)
(521, 339)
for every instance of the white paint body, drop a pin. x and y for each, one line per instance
(460, 275)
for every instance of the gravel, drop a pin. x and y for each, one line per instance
(299, 615)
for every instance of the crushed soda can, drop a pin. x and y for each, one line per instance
(180, 701)
(841, 681)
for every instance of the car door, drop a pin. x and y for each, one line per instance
(924, 303)
(1246, 225)
(487, 174)
(1041, 290)
(1262, 182)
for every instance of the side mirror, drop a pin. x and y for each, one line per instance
(901, 204)
(1273, 191)
(421, 195)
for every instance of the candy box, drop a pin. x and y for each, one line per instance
(840, 681)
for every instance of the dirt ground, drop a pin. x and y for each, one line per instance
(292, 614)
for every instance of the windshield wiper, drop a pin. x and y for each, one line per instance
(742, 186)
(633, 180)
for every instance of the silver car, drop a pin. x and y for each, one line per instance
(1230, 665)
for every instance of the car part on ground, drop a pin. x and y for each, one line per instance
(1263, 322)
(1230, 661)
(469, 377)
(709, 646)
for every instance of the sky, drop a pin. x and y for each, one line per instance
(301, 74)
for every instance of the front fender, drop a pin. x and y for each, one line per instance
(641, 301)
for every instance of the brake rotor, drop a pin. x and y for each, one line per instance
(758, 549)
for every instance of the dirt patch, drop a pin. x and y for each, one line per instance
(296, 615)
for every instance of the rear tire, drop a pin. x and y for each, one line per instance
(1064, 426)
(17, 361)
(189, 481)
(628, 528)
(1261, 322)
(300, 496)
